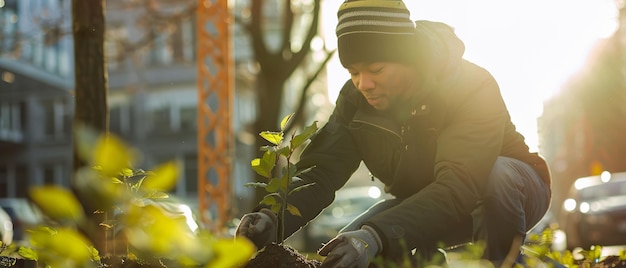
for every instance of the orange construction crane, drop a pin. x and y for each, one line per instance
(215, 132)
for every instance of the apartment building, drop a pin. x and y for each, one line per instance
(152, 81)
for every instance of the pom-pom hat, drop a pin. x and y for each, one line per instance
(375, 31)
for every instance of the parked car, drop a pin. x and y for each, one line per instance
(6, 227)
(349, 203)
(23, 214)
(594, 212)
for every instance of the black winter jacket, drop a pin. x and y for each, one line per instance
(435, 153)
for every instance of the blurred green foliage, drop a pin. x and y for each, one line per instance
(129, 199)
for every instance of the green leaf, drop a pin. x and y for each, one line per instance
(303, 171)
(301, 187)
(57, 203)
(256, 166)
(264, 165)
(269, 200)
(282, 184)
(306, 134)
(156, 195)
(293, 210)
(284, 151)
(231, 253)
(95, 254)
(274, 185)
(127, 172)
(112, 155)
(268, 161)
(283, 123)
(65, 243)
(256, 184)
(163, 178)
(274, 137)
(27, 253)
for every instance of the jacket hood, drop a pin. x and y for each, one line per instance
(440, 46)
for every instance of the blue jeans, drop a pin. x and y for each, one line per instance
(515, 199)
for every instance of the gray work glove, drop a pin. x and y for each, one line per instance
(260, 227)
(351, 249)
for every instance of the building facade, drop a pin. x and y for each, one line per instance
(152, 80)
(36, 104)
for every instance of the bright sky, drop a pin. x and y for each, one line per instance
(531, 47)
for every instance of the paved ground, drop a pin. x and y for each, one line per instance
(606, 251)
(612, 250)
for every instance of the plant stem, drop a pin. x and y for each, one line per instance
(281, 232)
(283, 205)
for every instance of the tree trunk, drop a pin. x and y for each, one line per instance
(90, 71)
(90, 88)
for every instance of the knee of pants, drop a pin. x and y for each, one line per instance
(516, 191)
(504, 179)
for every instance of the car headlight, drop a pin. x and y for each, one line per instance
(569, 204)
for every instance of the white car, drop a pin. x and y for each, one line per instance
(23, 215)
(6, 227)
(594, 212)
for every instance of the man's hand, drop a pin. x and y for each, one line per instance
(260, 227)
(351, 249)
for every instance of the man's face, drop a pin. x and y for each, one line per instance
(383, 83)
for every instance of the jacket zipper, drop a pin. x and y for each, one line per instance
(382, 128)
(399, 136)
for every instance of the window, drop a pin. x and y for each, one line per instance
(48, 172)
(175, 46)
(46, 54)
(37, 52)
(188, 118)
(161, 120)
(5, 116)
(11, 119)
(4, 182)
(159, 53)
(22, 181)
(120, 118)
(191, 173)
(57, 118)
(53, 173)
(52, 52)
(183, 41)
(49, 118)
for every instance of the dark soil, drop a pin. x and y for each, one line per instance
(612, 261)
(280, 256)
(16, 262)
(122, 262)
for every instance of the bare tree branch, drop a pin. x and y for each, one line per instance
(299, 116)
(256, 33)
(297, 58)
(287, 29)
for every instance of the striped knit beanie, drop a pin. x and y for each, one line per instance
(374, 31)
